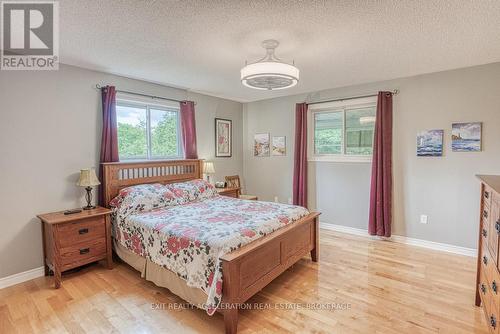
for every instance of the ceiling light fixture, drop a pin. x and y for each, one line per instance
(269, 73)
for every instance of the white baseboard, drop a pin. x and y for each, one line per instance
(21, 277)
(404, 240)
(344, 229)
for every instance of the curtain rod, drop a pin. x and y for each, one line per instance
(394, 92)
(144, 95)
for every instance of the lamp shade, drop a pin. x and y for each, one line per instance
(88, 178)
(208, 167)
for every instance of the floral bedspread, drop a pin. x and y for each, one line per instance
(189, 235)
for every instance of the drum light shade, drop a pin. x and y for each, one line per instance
(269, 73)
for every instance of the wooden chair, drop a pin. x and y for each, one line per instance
(233, 181)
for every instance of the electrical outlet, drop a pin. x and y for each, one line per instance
(289, 200)
(423, 219)
(276, 199)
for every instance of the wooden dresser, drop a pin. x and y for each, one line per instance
(70, 241)
(488, 264)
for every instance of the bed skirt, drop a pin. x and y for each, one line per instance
(162, 277)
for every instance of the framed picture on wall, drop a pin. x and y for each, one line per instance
(223, 137)
(279, 145)
(430, 143)
(466, 137)
(261, 145)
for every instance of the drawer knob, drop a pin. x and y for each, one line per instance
(494, 286)
(497, 226)
(84, 251)
(485, 259)
(485, 214)
(483, 288)
(486, 194)
(484, 233)
(83, 231)
(493, 322)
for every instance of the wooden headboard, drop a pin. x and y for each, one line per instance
(118, 175)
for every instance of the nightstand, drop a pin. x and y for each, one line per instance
(70, 241)
(234, 192)
(229, 191)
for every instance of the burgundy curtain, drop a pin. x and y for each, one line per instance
(188, 127)
(381, 182)
(300, 158)
(109, 139)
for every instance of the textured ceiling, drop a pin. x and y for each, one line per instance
(201, 45)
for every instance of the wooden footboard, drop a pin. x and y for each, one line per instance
(249, 269)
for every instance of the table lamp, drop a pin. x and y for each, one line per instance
(208, 168)
(88, 179)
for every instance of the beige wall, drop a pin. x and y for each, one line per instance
(443, 188)
(50, 127)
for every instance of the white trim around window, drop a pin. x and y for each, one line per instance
(336, 106)
(340, 158)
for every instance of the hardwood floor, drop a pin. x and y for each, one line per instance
(384, 287)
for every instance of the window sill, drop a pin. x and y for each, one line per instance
(152, 159)
(341, 159)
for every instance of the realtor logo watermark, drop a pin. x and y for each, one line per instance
(30, 35)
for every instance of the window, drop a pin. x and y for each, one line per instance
(342, 130)
(147, 131)
(328, 128)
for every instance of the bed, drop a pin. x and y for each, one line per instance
(214, 252)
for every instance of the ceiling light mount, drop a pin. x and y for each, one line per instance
(270, 73)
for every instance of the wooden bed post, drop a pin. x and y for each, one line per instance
(231, 320)
(231, 284)
(315, 250)
(200, 169)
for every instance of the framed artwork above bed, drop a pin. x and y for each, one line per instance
(223, 137)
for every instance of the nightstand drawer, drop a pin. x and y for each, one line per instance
(231, 194)
(82, 253)
(81, 231)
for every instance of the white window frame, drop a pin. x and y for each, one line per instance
(336, 106)
(149, 103)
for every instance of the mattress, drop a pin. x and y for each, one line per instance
(190, 237)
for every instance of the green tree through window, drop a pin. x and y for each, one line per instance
(164, 134)
(147, 132)
(132, 140)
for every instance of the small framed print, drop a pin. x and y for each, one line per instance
(466, 137)
(223, 137)
(261, 145)
(279, 146)
(430, 143)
